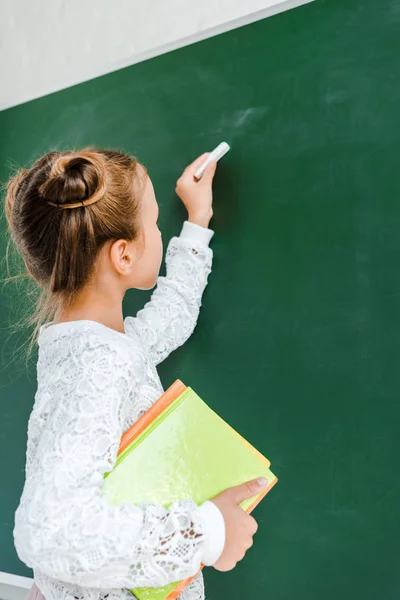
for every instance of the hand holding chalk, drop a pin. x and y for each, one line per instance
(197, 195)
(214, 156)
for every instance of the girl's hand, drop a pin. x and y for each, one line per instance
(240, 527)
(197, 195)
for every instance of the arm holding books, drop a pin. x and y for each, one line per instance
(65, 528)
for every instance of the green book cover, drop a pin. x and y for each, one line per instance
(183, 450)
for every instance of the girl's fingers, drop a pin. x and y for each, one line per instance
(192, 168)
(209, 172)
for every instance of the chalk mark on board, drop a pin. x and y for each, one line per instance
(232, 125)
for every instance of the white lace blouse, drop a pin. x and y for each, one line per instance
(94, 383)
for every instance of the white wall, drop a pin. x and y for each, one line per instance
(47, 46)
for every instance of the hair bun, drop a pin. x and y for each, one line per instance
(75, 180)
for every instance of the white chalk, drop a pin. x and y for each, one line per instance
(214, 156)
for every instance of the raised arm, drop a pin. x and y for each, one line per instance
(169, 319)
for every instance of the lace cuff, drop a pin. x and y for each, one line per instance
(195, 234)
(215, 533)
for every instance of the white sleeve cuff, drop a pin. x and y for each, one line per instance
(195, 234)
(214, 533)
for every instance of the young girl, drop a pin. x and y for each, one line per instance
(85, 224)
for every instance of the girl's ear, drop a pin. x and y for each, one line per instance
(124, 255)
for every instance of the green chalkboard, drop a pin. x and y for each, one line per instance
(299, 340)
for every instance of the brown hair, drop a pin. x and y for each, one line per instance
(60, 214)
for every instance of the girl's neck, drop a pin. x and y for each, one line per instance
(92, 306)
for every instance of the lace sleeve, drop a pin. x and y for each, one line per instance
(169, 319)
(64, 527)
